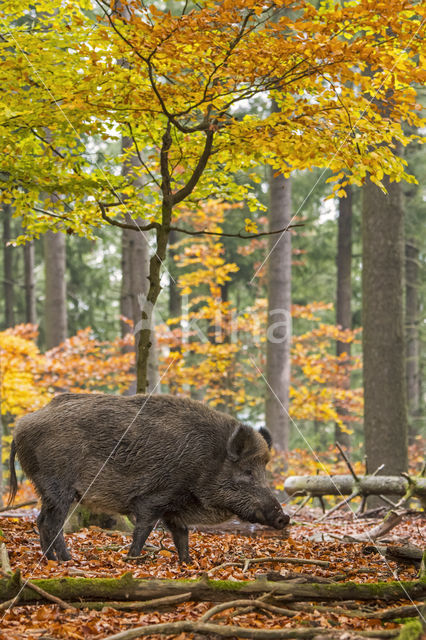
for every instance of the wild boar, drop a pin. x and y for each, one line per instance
(152, 458)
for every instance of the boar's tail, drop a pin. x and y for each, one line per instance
(13, 485)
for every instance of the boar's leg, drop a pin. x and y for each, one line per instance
(140, 535)
(145, 517)
(50, 522)
(45, 543)
(179, 533)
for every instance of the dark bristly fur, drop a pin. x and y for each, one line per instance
(148, 457)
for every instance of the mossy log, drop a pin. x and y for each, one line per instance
(128, 588)
(345, 485)
(80, 517)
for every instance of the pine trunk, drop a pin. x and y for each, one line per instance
(29, 284)
(279, 314)
(8, 283)
(385, 413)
(55, 296)
(344, 293)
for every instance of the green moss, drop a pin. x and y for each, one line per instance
(411, 631)
(227, 585)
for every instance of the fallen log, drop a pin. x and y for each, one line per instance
(129, 588)
(407, 553)
(345, 485)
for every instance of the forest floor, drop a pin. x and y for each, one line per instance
(99, 553)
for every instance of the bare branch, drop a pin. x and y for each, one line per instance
(125, 225)
(145, 166)
(246, 236)
(198, 171)
(164, 164)
(51, 214)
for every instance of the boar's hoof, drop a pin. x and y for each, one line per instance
(133, 555)
(186, 559)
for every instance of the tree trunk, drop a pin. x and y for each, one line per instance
(55, 301)
(385, 413)
(134, 290)
(134, 282)
(344, 293)
(412, 261)
(8, 283)
(175, 299)
(29, 283)
(279, 314)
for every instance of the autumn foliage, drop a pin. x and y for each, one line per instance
(82, 364)
(219, 352)
(78, 70)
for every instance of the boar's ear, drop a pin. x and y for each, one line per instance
(267, 436)
(238, 442)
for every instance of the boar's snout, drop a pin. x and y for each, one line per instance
(270, 514)
(281, 520)
(275, 517)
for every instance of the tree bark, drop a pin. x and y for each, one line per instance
(279, 314)
(29, 283)
(134, 281)
(129, 588)
(385, 413)
(134, 289)
(55, 293)
(412, 262)
(175, 298)
(8, 281)
(344, 292)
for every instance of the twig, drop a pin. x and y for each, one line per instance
(4, 606)
(391, 613)
(18, 506)
(135, 606)
(348, 463)
(48, 596)
(391, 520)
(252, 604)
(248, 561)
(302, 504)
(337, 506)
(42, 592)
(230, 631)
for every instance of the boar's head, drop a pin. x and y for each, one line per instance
(241, 485)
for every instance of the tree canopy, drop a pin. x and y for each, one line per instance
(178, 83)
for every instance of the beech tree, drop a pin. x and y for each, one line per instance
(344, 288)
(8, 283)
(29, 283)
(55, 307)
(279, 314)
(177, 98)
(385, 405)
